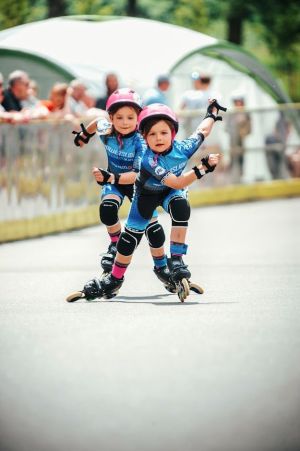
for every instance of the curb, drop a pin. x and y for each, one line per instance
(89, 216)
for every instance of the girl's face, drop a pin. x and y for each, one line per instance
(125, 120)
(159, 137)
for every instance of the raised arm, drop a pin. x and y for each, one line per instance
(211, 117)
(207, 164)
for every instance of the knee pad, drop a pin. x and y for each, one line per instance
(108, 212)
(128, 241)
(180, 211)
(155, 235)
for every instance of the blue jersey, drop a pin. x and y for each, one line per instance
(125, 157)
(155, 167)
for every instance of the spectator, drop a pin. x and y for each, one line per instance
(112, 84)
(31, 100)
(2, 109)
(275, 147)
(57, 102)
(238, 127)
(79, 102)
(158, 94)
(10, 116)
(17, 91)
(196, 99)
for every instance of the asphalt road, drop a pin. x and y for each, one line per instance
(144, 372)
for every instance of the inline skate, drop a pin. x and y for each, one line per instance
(107, 287)
(164, 275)
(108, 259)
(180, 275)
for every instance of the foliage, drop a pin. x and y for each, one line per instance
(275, 22)
(13, 12)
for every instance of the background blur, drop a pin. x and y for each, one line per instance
(269, 29)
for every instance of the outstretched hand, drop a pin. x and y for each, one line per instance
(211, 161)
(213, 110)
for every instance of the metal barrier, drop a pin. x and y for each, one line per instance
(256, 144)
(46, 183)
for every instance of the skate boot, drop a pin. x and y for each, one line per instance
(111, 285)
(108, 259)
(163, 274)
(107, 288)
(91, 290)
(180, 275)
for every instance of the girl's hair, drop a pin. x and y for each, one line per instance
(152, 121)
(117, 107)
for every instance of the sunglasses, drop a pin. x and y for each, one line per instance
(205, 79)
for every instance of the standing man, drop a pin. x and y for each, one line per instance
(112, 84)
(158, 94)
(238, 127)
(196, 98)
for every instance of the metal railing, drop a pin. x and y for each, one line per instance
(43, 173)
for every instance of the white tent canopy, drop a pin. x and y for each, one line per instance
(138, 50)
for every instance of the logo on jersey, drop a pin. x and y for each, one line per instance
(159, 170)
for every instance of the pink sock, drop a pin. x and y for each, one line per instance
(118, 271)
(114, 237)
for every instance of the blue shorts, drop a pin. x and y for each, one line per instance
(118, 190)
(121, 191)
(144, 206)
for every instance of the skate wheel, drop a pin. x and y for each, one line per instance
(196, 288)
(110, 296)
(170, 288)
(75, 296)
(183, 290)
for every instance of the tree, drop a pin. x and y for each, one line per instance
(131, 8)
(190, 14)
(237, 12)
(57, 8)
(13, 12)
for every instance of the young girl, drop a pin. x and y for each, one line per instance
(161, 182)
(117, 128)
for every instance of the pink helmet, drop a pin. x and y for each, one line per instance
(122, 97)
(159, 111)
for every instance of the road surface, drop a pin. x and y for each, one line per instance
(144, 372)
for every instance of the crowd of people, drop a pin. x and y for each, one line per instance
(20, 103)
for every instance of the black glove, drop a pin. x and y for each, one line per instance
(106, 176)
(210, 108)
(79, 137)
(205, 162)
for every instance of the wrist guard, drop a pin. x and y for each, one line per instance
(205, 162)
(199, 173)
(210, 108)
(85, 139)
(106, 176)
